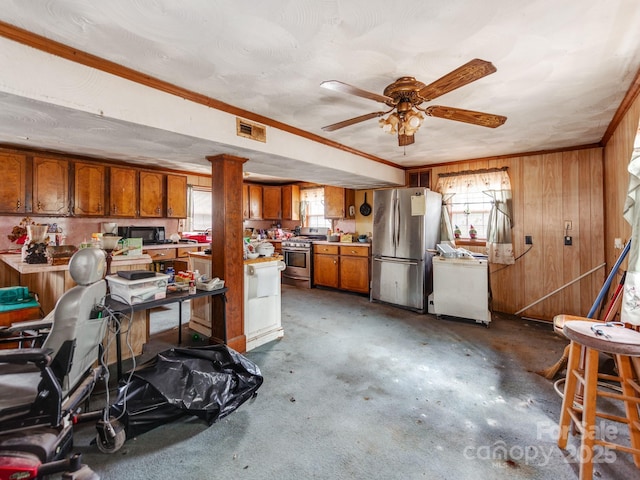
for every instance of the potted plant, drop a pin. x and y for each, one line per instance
(457, 232)
(472, 232)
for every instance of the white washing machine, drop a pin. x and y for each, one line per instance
(461, 288)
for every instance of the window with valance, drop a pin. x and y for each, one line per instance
(477, 204)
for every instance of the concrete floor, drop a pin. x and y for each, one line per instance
(359, 390)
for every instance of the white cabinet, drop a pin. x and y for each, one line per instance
(262, 302)
(461, 288)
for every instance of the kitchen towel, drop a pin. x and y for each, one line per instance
(267, 278)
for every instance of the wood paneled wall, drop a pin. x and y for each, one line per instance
(547, 190)
(617, 154)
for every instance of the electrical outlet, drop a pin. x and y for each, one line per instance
(568, 240)
(528, 240)
(567, 225)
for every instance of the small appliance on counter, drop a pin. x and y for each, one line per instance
(149, 235)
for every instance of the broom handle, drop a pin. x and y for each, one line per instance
(607, 283)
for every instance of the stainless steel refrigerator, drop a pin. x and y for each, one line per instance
(406, 222)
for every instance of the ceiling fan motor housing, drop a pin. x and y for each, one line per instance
(404, 91)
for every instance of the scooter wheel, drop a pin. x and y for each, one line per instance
(109, 443)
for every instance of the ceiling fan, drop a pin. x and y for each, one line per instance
(406, 94)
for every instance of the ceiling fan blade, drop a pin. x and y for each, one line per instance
(341, 87)
(467, 116)
(467, 73)
(351, 121)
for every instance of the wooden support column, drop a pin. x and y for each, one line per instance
(226, 247)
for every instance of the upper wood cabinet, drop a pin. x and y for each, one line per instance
(291, 202)
(271, 202)
(50, 186)
(338, 202)
(245, 201)
(419, 178)
(123, 192)
(176, 196)
(89, 189)
(13, 190)
(255, 202)
(151, 194)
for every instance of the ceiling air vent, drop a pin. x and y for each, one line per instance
(251, 130)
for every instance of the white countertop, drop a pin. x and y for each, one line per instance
(342, 244)
(15, 261)
(175, 245)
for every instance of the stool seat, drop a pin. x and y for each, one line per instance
(610, 339)
(579, 405)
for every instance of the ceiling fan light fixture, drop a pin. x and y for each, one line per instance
(412, 122)
(390, 124)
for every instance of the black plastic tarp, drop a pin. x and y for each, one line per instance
(209, 382)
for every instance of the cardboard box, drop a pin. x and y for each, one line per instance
(138, 291)
(346, 238)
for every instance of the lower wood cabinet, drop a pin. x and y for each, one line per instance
(341, 266)
(354, 269)
(326, 266)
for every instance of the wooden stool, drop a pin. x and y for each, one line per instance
(624, 345)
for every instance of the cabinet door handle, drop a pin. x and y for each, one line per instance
(99, 207)
(39, 205)
(170, 211)
(18, 204)
(114, 208)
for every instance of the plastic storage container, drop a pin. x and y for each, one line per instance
(138, 291)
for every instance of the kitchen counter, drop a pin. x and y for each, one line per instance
(342, 244)
(49, 282)
(15, 261)
(248, 261)
(175, 245)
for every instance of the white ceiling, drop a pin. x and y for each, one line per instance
(563, 68)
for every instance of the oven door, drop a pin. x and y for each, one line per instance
(298, 262)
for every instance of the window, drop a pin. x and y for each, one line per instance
(312, 208)
(468, 199)
(470, 208)
(199, 209)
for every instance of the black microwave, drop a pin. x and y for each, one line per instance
(149, 235)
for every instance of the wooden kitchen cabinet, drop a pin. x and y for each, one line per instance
(245, 201)
(50, 186)
(89, 189)
(326, 267)
(354, 269)
(341, 266)
(176, 196)
(338, 202)
(291, 202)
(13, 193)
(123, 192)
(255, 202)
(271, 203)
(151, 194)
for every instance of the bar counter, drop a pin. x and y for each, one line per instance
(49, 282)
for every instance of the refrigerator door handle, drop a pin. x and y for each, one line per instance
(397, 223)
(394, 260)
